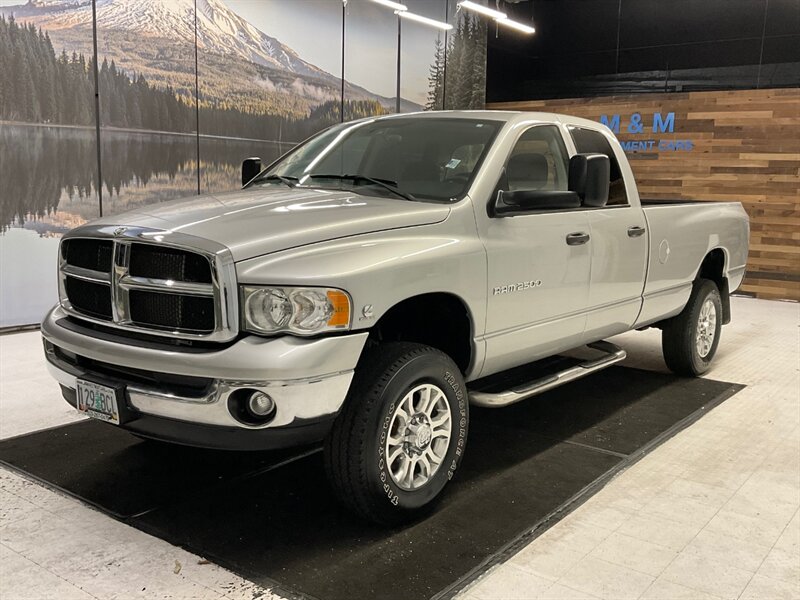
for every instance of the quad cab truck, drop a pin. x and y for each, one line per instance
(368, 286)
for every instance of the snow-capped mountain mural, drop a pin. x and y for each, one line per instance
(183, 96)
(155, 38)
(219, 29)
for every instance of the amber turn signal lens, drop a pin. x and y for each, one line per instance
(341, 309)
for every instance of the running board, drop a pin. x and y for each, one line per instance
(613, 355)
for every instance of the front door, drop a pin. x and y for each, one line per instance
(538, 274)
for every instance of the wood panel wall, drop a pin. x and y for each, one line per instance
(746, 147)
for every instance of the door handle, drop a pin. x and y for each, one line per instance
(635, 231)
(577, 239)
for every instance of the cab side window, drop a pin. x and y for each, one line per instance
(537, 162)
(589, 141)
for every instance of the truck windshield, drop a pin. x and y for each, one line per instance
(413, 158)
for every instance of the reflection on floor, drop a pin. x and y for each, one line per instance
(713, 511)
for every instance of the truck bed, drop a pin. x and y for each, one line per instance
(681, 234)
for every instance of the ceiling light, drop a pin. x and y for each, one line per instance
(480, 8)
(518, 26)
(425, 20)
(395, 5)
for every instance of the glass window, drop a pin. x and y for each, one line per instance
(538, 161)
(588, 141)
(428, 158)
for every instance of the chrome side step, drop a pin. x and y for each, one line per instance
(612, 354)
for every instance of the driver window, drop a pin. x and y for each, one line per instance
(538, 161)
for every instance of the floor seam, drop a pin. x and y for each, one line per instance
(596, 449)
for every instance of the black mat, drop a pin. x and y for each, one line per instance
(276, 523)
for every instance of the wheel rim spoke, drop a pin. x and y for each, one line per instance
(398, 451)
(442, 419)
(425, 399)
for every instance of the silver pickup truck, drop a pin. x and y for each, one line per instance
(366, 288)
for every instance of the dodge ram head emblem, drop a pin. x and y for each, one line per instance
(120, 230)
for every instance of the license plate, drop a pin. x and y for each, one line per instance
(97, 401)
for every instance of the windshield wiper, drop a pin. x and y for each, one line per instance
(288, 180)
(386, 184)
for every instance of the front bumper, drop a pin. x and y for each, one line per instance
(307, 378)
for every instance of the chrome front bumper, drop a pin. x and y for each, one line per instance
(307, 378)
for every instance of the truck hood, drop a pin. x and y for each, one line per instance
(254, 222)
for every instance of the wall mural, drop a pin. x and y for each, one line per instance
(227, 78)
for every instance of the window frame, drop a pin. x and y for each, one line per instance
(568, 127)
(497, 187)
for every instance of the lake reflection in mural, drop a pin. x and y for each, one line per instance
(49, 186)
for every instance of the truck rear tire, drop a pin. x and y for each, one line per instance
(690, 339)
(401, 434)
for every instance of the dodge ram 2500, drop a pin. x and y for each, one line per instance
(365, 288)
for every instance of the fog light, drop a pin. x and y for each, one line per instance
(260, 404)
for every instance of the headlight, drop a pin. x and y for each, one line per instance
(303, 311)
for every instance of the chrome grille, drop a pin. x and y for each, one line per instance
(136, 280)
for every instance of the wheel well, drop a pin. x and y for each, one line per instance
(713, 268)
(439, 320)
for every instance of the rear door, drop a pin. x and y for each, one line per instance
(538, 283)
(619, 247)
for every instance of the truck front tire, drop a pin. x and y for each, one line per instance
(690, 339)
(401, 434)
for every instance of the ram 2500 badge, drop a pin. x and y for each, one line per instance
(364, 289)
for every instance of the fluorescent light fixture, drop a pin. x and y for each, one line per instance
(484, 10)
(518, 26)
(424, 20)
(395, 5)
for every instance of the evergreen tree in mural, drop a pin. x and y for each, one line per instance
(37, 86)
(436, 78)
(459, 81)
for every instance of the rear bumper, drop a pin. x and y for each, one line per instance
(307, 378)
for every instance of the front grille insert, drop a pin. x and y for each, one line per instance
(96, 255)
(150, 287)
(88, 297)
(159, 262)
(172, 311)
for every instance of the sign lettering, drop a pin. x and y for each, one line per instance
(638, 124)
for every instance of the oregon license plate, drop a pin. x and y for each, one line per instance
(97, 401)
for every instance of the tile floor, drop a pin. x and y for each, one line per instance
(712, 513)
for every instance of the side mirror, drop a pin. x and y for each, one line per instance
(527, 201)
(250, 168)
(589, 178)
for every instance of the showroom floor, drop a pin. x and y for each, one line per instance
(712, 513)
